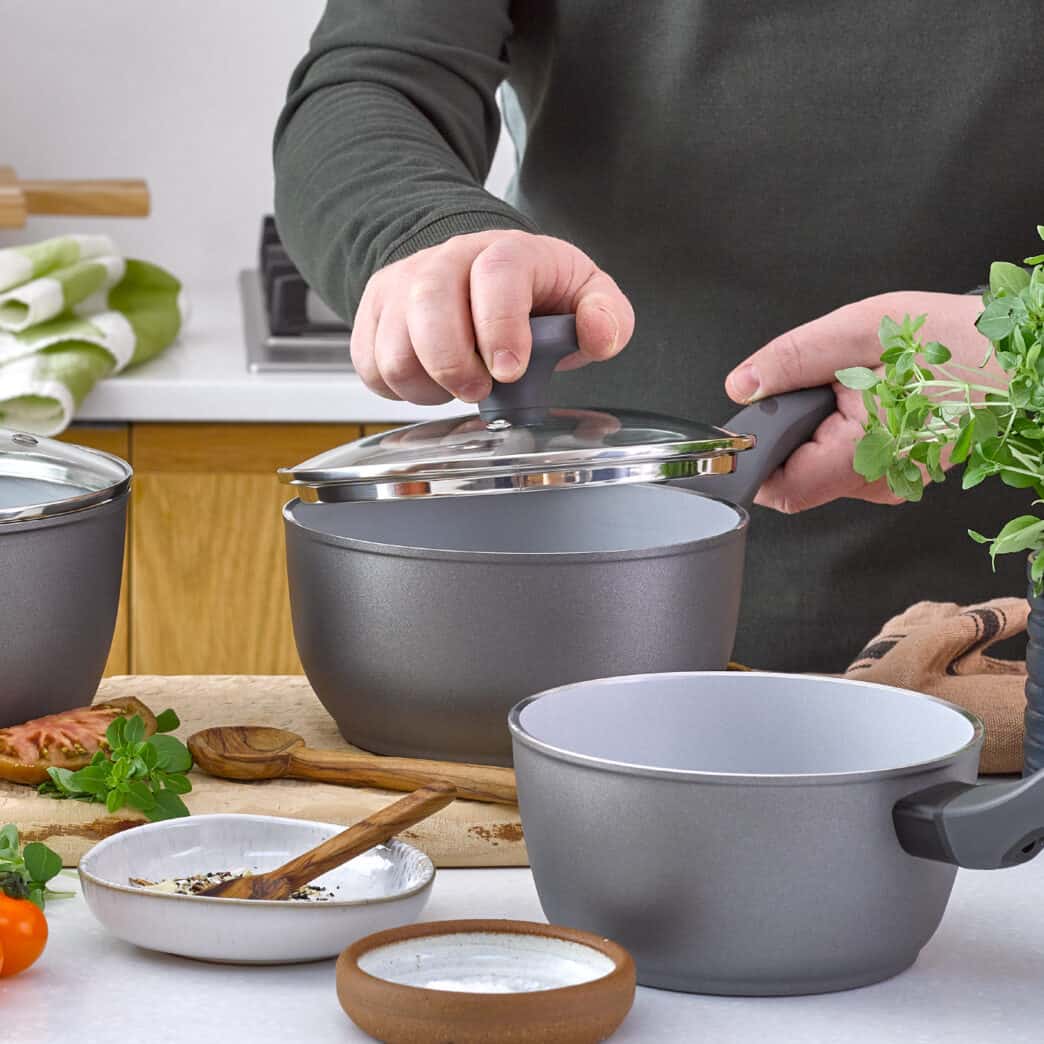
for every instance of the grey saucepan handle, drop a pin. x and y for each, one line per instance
(525, 401)
(780, 424)
(982, 827)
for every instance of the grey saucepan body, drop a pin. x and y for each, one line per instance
(759, 834)
(61, 589)
(421, 624)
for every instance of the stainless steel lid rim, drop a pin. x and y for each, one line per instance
(426, 486)
(610, 767)
(551, 558)
(553, 463)
(57, 518)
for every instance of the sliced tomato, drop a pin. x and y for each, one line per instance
(67, 740)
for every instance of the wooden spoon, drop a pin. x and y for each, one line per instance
(282, 882)
(252, 752)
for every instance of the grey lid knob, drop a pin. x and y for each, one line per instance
(524, 402)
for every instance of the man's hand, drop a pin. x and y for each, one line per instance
(810, 355)
(438, 324)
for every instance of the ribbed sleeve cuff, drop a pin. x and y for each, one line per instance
(446, 227)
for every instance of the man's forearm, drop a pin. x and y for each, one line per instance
(386, 138)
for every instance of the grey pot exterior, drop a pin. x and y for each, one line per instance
(61, 589)
(422, 653)
(1034, 742)
(738, 889)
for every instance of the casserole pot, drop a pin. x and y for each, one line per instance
(63, 513)
(440, 572)
(758, 834)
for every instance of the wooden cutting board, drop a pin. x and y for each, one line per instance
(466, 833)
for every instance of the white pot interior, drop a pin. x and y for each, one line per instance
(601, 519)
(747, 724)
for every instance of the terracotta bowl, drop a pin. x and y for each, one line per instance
(486, 982)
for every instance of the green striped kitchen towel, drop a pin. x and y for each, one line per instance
(47, 369)
(80, 287)
(20, 264)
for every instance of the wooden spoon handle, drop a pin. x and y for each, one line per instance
(473, 782)
(359, 838)
(110, 197)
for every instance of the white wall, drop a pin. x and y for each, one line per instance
(184, 93)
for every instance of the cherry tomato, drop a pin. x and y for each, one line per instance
(23, 934)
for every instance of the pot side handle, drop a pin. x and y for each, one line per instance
(982, 827)
(780, 424)
(524, 401)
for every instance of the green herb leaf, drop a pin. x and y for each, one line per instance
(167, 721)
(168, 806)
(41, 862)
(996, 321)
(936, 353)
(857, 377)
(134, 730)
(1007, 278)
(172, 754)
(874, 453)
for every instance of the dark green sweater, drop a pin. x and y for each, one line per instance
(740, 167)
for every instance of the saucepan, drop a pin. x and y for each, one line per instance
(63, 514)
(759, 834)
(439, 573)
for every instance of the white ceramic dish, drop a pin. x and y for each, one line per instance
(487, 962)
(384, 888)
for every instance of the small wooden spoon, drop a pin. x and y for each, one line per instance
(282, 882)
(251, 752)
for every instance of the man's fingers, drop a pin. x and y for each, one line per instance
(821, 471)
(438, 320)
(809, 355)
(516, 276)
(604, 318)
(364, 333)
(397, 363)
(502, 278)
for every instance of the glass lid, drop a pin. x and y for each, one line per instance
(41, 478)
(517, 442)
(474, 455)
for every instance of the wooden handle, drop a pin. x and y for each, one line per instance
(123, 197)
(282, 882)
(106, 197)
(12, 203)
(472, 782)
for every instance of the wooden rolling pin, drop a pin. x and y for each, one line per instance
(251, 752)
(123, 197)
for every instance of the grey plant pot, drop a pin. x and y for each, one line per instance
(1034, 748)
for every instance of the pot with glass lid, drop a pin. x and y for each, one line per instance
(63, 516)
(442, 571)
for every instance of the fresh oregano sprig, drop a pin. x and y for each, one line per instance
(34, 866)
(922, 403)
(147, 773)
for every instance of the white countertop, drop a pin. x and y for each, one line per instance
(204, 377)
(980, 981)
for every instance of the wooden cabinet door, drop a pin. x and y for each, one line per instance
(208, 566)
(113, 438)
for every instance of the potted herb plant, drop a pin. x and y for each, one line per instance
(924, 410)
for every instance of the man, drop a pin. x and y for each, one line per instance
(734, 174)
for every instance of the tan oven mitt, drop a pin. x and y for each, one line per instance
(940, 648)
